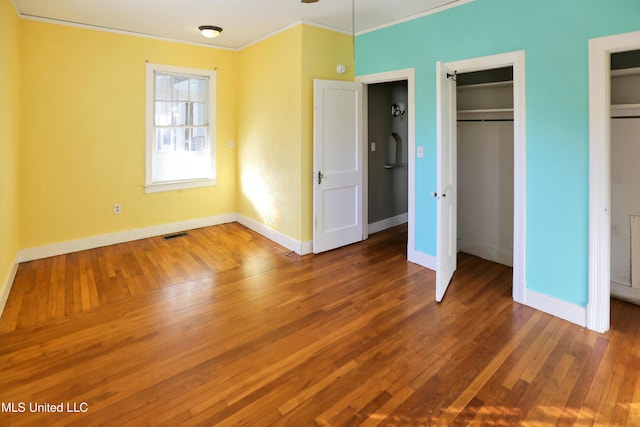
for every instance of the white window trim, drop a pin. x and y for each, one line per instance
(154, 187)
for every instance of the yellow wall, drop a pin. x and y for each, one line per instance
(9, 138)
(276, 123)
(322, 51)
(82, 133)
(269, 131)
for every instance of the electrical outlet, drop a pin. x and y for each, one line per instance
(117, 209)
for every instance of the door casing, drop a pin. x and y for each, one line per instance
(600, 50)
(517, 61)
(407, 74)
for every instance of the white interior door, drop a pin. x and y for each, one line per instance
(337, 165)
(446, 234)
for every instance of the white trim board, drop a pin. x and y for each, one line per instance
(499, 255)
(30, 254)
(600, 50)
(116, 31)
(54, 249)
(452, 4)
(625, 292)
(8, 283)
(556, 307)
(387, 223)
(301, 248)
(293, 25)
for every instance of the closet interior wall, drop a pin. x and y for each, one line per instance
(625, 175)
(485, 144)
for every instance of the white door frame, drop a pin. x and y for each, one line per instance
(600, 50)
(407, 74)
(517, 61)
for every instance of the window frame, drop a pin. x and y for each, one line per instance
(150, 185)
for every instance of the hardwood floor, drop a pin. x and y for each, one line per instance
(224, 327)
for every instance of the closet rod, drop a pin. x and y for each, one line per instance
(485, 120)
(625, 117)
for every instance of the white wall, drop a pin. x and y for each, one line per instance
(485, 190)
(485, 172)
(625, 172)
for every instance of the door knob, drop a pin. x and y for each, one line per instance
(320, 176)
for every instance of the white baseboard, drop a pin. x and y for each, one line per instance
(387, 223)
(556, 307)
(625, 292)
(6, 286)
(422, 259)
(545, 303)
(490, 253)
(30, 254)
(301, 248)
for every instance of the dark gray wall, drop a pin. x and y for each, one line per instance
(388, 186)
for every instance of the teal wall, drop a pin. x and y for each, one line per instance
(554, 35)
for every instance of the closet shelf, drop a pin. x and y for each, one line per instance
(487, 110)
(626, 72)
(625, 110)
(625, 106)
(485, 85)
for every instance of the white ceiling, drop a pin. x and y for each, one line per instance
(243, 21)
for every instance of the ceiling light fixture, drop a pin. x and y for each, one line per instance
(210, 31)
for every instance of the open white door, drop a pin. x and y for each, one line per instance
(337, 164)
(446, 234)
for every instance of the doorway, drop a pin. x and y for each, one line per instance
(485, 164)
(600, 50)
(387, 155)
(625, 155)
(446, 193)
(405, 75)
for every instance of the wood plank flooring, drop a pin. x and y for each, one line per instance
(223, 327)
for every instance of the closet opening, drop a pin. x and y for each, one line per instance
(485, 164)
(625, 175)
(387, 156)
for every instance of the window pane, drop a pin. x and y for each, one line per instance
(199, 139)
(198, 90)
(163, 87)
(182, 114)
(180, 88)
(180, 145)
(178, 165)
(164, 140)
(200, 115)
(163, 113)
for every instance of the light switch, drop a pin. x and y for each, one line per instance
(420, 151)
(373, 146)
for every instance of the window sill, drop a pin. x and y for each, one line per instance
(180, 185)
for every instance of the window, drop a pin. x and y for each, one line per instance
(180, 140)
